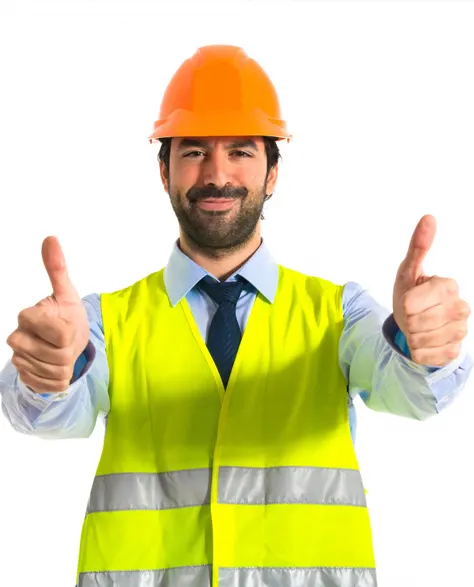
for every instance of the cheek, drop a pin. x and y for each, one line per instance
(182, 178)
(252, 177)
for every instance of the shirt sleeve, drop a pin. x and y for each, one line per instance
(376, 363)
(72, 413)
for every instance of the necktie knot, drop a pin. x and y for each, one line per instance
(223, 291)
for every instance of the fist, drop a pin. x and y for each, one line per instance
(53, 333)
(428, 310)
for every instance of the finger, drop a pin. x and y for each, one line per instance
(29, 344)
(55, 265)
(437, 316)
(436, 357)
(42, 385)
(429, 294)
(49, 328)
(453, 332)
(41, 369)
(421, 241)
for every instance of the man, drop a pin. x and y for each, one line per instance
(229, 459)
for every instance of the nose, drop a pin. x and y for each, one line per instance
(215, 169)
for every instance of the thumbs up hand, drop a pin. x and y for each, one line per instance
(53, 333)
(428, 310)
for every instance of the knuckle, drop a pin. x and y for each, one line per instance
(66, 356)
(455, 311)
(23, 314)
(465, 310)
(417, 356)
(410, 322)
(406, 303)
(461, 332)
(25, 376)
(64, 372)
(453, 351)
(452, 286)
(26, 317)
(12, 339)
(64, 384)
(414, 341)
(64, 337)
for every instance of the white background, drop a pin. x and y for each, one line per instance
(379, 97)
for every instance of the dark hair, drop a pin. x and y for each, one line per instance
(271, 150)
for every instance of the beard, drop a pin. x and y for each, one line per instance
(214, 230)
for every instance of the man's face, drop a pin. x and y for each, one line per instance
(217, 188)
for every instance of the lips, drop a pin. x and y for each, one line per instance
(215, 204)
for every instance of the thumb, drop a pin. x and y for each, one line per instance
(55, 264)
(420, 243)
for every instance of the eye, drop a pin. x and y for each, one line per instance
(193, 154)
(241, 154)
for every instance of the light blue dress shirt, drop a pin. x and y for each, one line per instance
(373, 356)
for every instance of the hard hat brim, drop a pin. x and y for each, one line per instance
(183, 123)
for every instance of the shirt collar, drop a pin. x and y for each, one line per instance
(182, 274)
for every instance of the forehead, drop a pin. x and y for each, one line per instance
(255, 143)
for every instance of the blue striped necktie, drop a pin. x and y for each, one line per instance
(224, 332)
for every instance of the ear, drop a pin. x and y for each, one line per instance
(164, 173)
(272, 179)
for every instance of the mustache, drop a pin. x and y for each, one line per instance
(227, 192)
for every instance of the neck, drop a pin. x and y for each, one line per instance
(220, 263)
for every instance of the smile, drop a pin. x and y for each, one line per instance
(215, 204)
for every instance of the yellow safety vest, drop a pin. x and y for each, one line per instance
(254, 485)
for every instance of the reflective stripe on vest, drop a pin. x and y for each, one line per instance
(200, 577)
(237, 485)
(150, 491)
(182, 576)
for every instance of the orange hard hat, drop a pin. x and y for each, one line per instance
(220, 91)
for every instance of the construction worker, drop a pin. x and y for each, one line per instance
(229, 460)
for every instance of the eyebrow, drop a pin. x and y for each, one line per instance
(242, 144)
